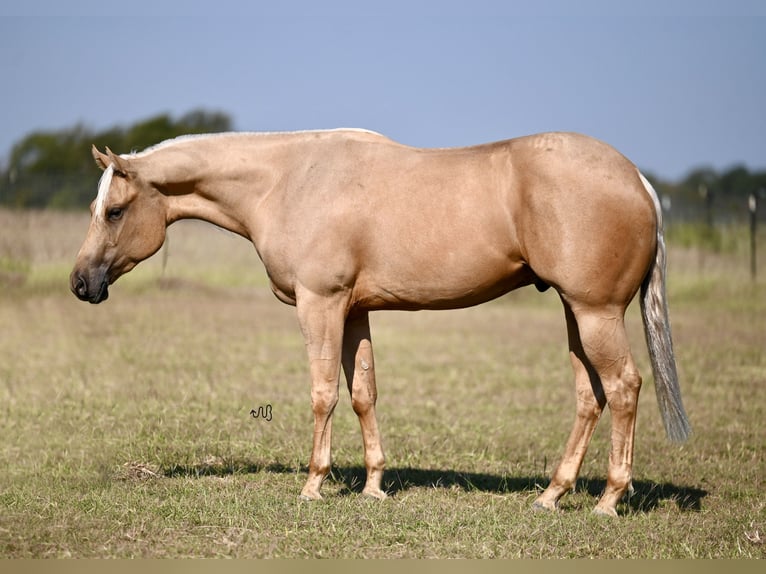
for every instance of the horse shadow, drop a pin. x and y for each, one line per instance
(647, 495)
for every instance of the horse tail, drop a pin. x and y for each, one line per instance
(654, 312)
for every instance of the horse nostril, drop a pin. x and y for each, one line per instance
(80, 286)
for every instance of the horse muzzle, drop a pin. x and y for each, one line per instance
(93, 291)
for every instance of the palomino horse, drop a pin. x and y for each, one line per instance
(348, 221)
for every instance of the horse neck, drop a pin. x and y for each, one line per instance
(220, 179)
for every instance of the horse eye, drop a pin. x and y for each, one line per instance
(115, 213)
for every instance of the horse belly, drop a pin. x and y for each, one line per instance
(416, 277)
(439, 248)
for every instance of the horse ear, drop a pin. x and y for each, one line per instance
(102, 160)
(121, 165)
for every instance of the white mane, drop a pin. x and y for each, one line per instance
(191, 137)
(103, 190)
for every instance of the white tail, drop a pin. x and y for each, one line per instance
(654, 312)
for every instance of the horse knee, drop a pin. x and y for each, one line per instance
(323, 401)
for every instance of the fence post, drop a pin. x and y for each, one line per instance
(707, 239)
(752, 204)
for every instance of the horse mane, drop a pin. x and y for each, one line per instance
(191, 137)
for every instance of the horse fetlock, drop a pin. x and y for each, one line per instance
(607, 504)
(374, 473)
(311, 489)
(619, 481)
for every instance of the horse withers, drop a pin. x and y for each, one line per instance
(347, 222)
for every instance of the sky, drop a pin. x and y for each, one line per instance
(673, 84)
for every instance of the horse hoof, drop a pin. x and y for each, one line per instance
(541, 506)
(375, 493)
(610, 512)
(309, 498)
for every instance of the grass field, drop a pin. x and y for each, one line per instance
(126, 427)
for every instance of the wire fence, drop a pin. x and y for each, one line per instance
(719, 223)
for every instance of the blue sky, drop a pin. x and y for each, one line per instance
(673, 84)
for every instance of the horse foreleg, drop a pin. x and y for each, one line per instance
(321, 320)
(359, 367)
(590, 404)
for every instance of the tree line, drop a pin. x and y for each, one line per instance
(54, 169)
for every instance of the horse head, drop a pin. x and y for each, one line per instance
(128, 222)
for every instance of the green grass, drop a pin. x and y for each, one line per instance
(126, 429)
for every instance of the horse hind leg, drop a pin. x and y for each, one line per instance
(359, 367)
(590, 405)
(606, 348)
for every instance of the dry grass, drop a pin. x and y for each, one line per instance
(126, 426)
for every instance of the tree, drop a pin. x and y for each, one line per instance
(55, 169)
